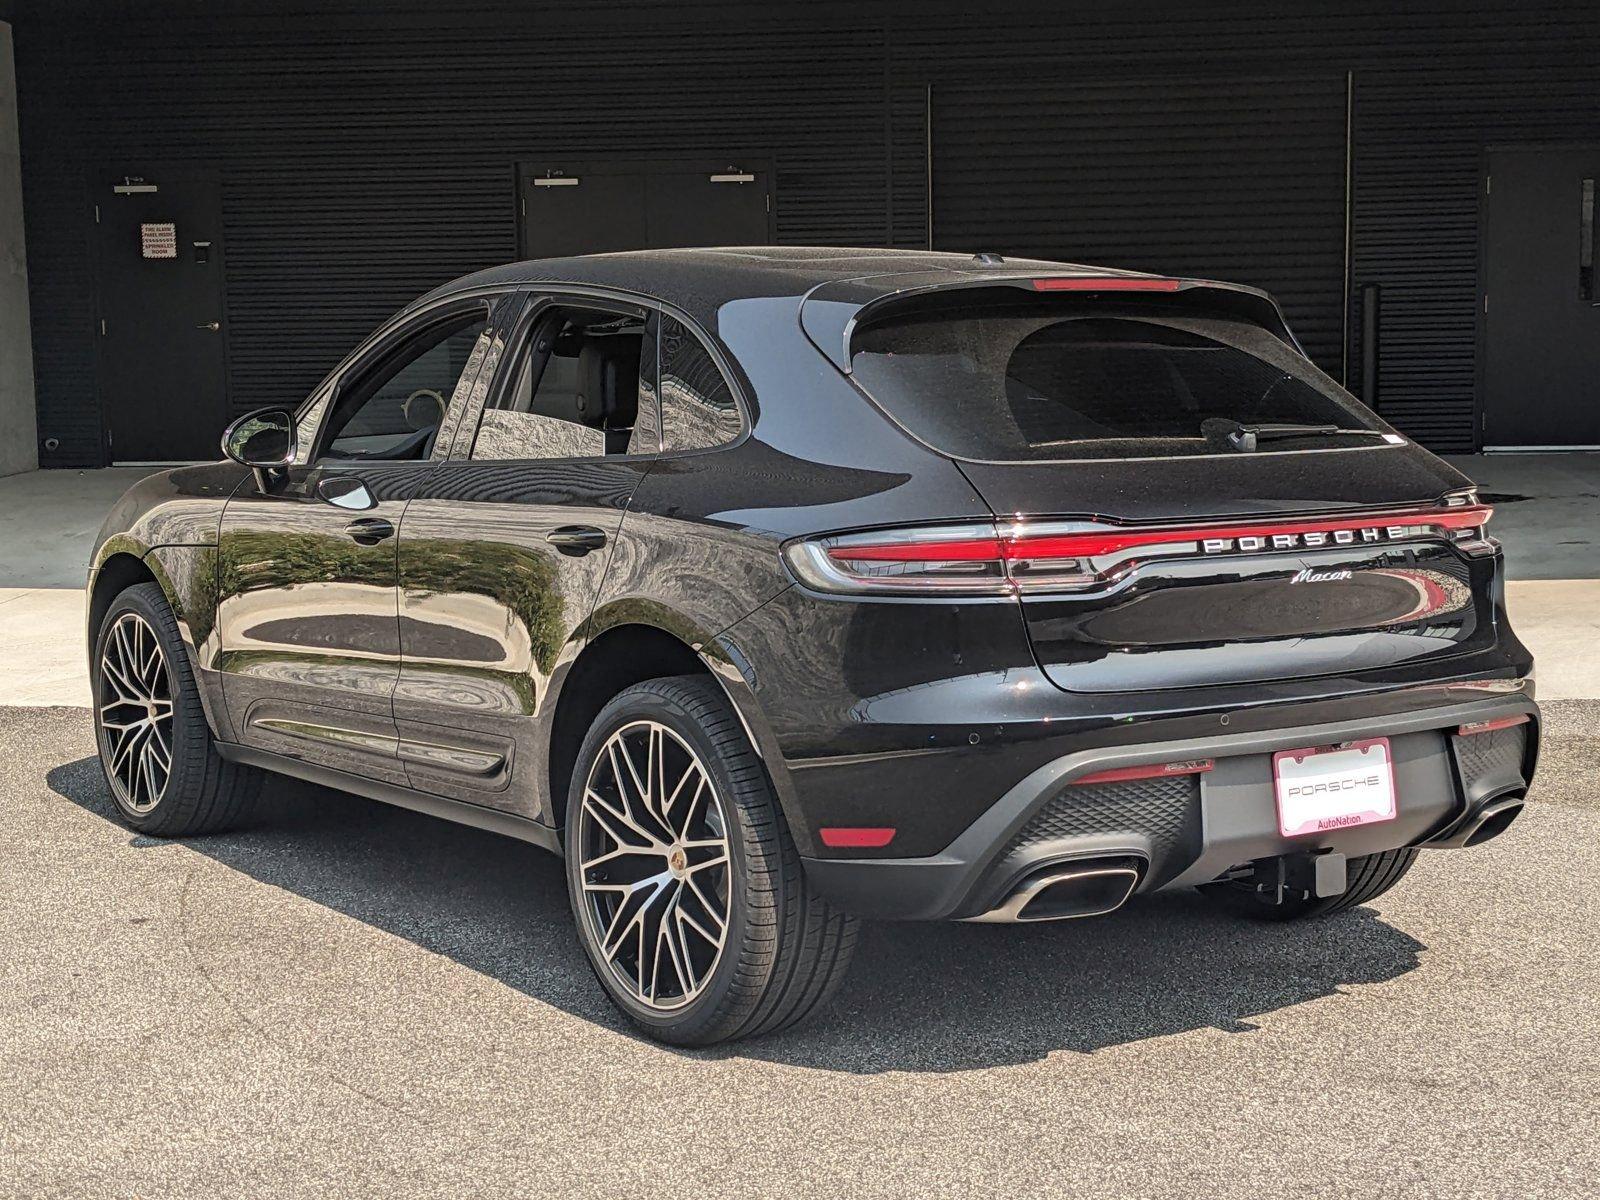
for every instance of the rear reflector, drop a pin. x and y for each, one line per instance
(1105, 283)
(1085, 555)
(1197, 766)
(1491, 726)
(856, 836)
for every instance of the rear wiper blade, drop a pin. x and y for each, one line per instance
(1244, 437)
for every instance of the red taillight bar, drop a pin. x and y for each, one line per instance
(1105, 283)
(1198, 766)
(856, 836)
(1109, 541)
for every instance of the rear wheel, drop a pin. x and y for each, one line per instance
(163, 770)
(1368, 877)
(689, 896)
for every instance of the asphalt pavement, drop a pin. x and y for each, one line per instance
(348, 999)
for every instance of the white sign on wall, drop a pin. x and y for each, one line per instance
(158, 239)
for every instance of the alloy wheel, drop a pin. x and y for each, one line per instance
(135, 711)
(654, 865)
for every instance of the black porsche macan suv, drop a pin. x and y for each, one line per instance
(775, 588)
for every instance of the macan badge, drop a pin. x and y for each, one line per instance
(1310, 576)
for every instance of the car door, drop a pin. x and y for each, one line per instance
(503, 549)
(307, 616)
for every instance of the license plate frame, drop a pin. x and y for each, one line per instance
(1314, 797)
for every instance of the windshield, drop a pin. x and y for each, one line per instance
(1038, 380)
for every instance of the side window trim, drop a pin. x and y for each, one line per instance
(505, 320)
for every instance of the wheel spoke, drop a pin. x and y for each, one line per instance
(705, 901)
(694, 807)
(153, 671)
(126, 656)
(691, 772)
(645, 787)
(718, 858)
(147, 771)
(620, 748)
(623, 850)
(654, 772)
(613, 821)
(627, 916)
(120, 683)
(158, 746)
(714, 938)
(671, 933)
(130, 739)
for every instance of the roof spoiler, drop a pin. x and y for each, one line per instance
(831, 312)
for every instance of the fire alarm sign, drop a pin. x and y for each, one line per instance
(158, 239)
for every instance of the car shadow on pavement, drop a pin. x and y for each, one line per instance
(920, 997)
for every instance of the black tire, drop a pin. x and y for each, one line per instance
(200, 793)
(1368, 877)
(785, 950)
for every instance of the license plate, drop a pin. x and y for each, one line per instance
(1333, 787)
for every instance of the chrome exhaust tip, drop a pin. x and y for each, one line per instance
(1061, 893)
(1491, 821)
(1488, 820)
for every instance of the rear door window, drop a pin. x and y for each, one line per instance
(1051, 379)
(574, 391)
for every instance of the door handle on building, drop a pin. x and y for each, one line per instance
(213, 326)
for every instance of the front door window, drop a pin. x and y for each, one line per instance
(394, 412)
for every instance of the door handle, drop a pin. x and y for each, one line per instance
(369, 531)
(213, 326)
(576, 540)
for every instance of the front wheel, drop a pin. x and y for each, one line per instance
(164, 773)
(689, 896)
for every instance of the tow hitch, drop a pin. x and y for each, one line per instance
(1297, 877)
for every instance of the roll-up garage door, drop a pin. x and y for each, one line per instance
(1237, 179)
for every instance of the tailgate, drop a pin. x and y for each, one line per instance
(1183, 499)
(1272, 574)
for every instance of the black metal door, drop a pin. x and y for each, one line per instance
(1541, 306)
(728, 207)
(162, 360)
(643, 204)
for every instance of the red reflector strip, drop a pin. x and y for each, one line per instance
(1110, 541)
(974, 550)
(1491, 726)
(856, 836)
(1112, 283)
(1198, 766)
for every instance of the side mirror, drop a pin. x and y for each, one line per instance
(345, 491)
(263, 440)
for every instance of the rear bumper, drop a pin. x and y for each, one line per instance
(1188, 830)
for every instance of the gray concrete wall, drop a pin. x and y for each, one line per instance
(19, 440)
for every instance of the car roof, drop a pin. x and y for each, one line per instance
(835, 283)
(698, 278)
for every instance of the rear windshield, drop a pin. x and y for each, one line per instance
(1052, 379)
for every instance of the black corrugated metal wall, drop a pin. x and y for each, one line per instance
(1200, 175)
(367, 150)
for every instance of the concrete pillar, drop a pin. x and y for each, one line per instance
(19, 436)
